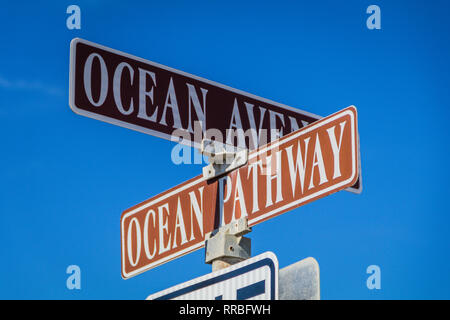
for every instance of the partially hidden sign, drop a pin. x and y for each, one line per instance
(138, 94)
(255, 278)
(301, 167)
(116, 87)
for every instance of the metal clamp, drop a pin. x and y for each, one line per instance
(227, 245)
(223, 158)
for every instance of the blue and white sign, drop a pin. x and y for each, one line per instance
(252, 279)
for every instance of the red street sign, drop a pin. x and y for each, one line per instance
(115, 87)
(300, 167)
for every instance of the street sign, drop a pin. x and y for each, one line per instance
(252, 279)
(300, 167)
(112, 86)
(300, 281)
(116, 87)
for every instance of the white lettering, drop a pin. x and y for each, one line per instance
(138, 242)
(294, 124)
(273, 176)
(103, 79)
(239, 196)
(163, 227)
(300, 165)
(256, 136)
(146, 241)
(116, 87)
(198, 210)
(274, 132)
(173, 105)
(318, 162)
(143, 94)
(255, 166)
(199, 110)
(179, 224)
(235, 127)
(336, 148)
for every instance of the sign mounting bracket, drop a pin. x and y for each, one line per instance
(223, 158)
(227, 245)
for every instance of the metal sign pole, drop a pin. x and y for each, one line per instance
(226, 245)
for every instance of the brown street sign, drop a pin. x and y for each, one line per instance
(138, 94)
(116, 87)
(301, 167)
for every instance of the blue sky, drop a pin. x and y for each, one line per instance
(65, 179)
